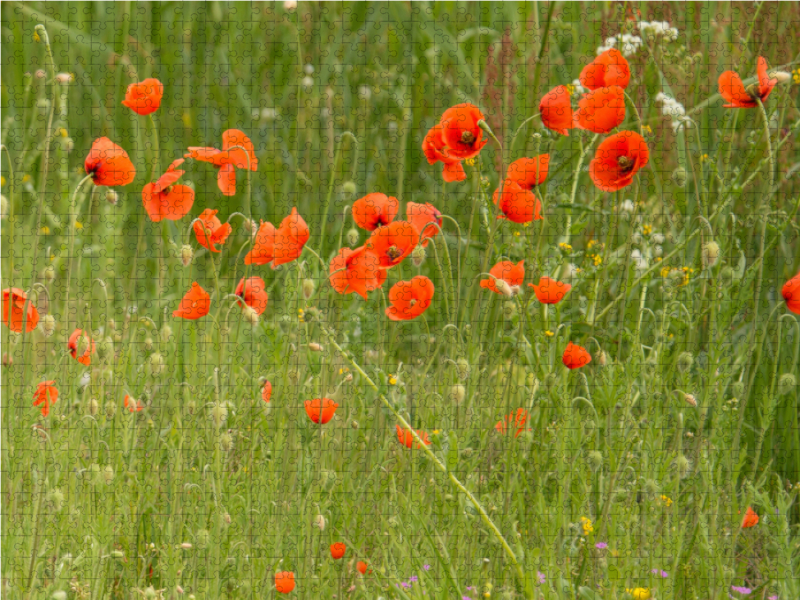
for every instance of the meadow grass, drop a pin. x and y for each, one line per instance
(632, 475)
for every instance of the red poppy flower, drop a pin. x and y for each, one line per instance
(750, 518)
(556, 110)
(320, 410)
(790, 293)
(405, 437)
(45, 396)
(266, 391)
(601, 110)
(409, 299)
(195, 304)
(144, 97)
(509, 273)
(517, 204)
(162, 200)
(284, 582)
(14, 311)
(362, 567)
(435, 151)
(732, 88)
(460, 131)
(337, 550)
(108, 164)
(610, 68)
(374, 210)
(290, 238)
(575, 357)
(392, 243)
(80, 340)
(516, 420)
(617, 160)
(132, 404)
(420, 215)
(253, 293)
(550, 291)
(210, 231)
(263, 251)
(529, 172)
(356, 271)
(229, 159)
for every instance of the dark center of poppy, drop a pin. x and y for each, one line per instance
(625, 163)
(394, 252)
(753, 91)
(412, 302)
(467, 137)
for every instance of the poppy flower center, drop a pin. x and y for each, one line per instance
(412, 302)
(753, 91)
(394, 252)
(467, 137)
(625, 163)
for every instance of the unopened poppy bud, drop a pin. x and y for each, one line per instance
(186, 546)
(227, 518)
(308, 288)
(165, 335)
(682, 466)
(108, 474)
(352, 237)
(56, 500)
(319, 522)
(354, 424)
(651, 486)
(250, 315)
(48, 325)
(786, 383)
(186, 255)
(679, 177)
(349, 187)
(685, 361)
(726, 275)
(203, 537)
(503, 287)
(462, 368)
(595, 460)
(111, 197)
(602, 358)
(111, 409)
(418, 255)
(156, 363)
(179, 589)
(93, 407)
(781, 76)
(315, 347)
(737, 388)
(219, 412)
(226, 442)
(710, 254)
(148, 344)
(457, 393)
(690, 400)
(49, 273)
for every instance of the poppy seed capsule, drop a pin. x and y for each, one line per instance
(710, 254)
(349, 187)
(156, 363)
(457, 393)
(685, 361)
(595, 460)
(352, 237)
(308, 288)
(111, 409)
(786, 383)
(48, 325)
(93, 407)
(319, 522)
(186, 255)
(418, 256)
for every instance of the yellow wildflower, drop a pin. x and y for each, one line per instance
(647, 229)
(665, 272)
(796, 75)
(36, 37)
(549, 333)
(26, 178)
(2, 181)
(666, 500)
(586, 523)
(78, 225)
(470, 162)
(597, 259)
(45, 230)
(647, 130)
(392, 380)
(570, 88)
(516, 234)
(639, 593)
(565, 247)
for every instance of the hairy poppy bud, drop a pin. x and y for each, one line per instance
(786, 383)
(418, 256)
(3, 207)
(165, 335)
(781, 76)
(111, 197)
(679, 177)
(457, 393)
(148, 344)
(503, 287)
(685, 361)
(352, 237)
(186, 255)
(651, 486)
(683, 466)
(250, 315)
(691, 400)
(92, 408)
(308, 288)
(219, 412)
(49, 273)
(349, 187)
(595, 460)
(602, 358)
(354, 424)
(56, 500)
(156, 363)
(226, 442)
(319, 522)
(315, 347)
(710, 254)
(48, 325)
(111, 409)
(462, 368)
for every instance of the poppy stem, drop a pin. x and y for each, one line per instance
(331, 181)
(73, 217)
(584, 152)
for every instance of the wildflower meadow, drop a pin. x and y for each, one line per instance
(400, 300)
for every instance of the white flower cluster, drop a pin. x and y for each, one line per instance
(579, 89)
(625, 42)
(673, 109)
(659, 28)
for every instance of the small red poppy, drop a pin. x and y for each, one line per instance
(550, 291)
(108, 164)
(81, 340)
(144, 97)
(290, 238)
(320, 410)
(518, 205)
(610, 68)
(263, 251)
(374, 210)
(462, 136)
(284, 582)
(45, 396)
(750, 518)
(406, 438)
(435, 151)
(337, 550)
(421, 216)
(512, 276)
(617, 159)
(210, 231)
(601, 110)
(195, 304)
(732, 88)
(252, 292)
(163, 200)
(362, 567)
(266, 391)
(791, 294)
(392, 243)
(556, 110)
(356, 272)
(229, 159)
(516, 420)
(409, 299)
(575, 357)
(14, 313)
(132, 404)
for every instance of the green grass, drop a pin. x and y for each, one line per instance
(94, 497)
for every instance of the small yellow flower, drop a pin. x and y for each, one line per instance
(52, 257)
(665, 272)
(647, 229)
(26, 178)
(437, 431)
(796, 75)
(666, 500)
(647, 130)
(516, 234)
(591, 244)
(45, 230)
(78, 225)
(526, 225)
(565, 247)
(470, 162)
(392, 380)
(586, 523)
(62, 132)
(703, 158)
(549, 333)
(36, 37)
(187, 119)
(2, 181)
(570, 88)
(639, 593)
(597, 259)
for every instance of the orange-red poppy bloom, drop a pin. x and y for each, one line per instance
(374, 210)
(237, 152)
(337, 550)
(14, 312)
(601, 110)
(263, 251)
(750, 518)
(617, 159)
(610, 68)
(576, 356)
(320, 410)
(550, 291)
(393, 242)
(409, 299)
(195, 304)
(509, 273)
(163, 200)
(108, 164)
(210, 231)
(144, 97)
(461, 134)
(362, 567)
(356, 272)
(266, 391)
(132, 404)
(290, 239)
(80, 340)
(516, 420)
(435, 151)
(421, 216)
(284, 582)
(405, 437)
(529, 172)
(45, 396)
(517, 204)
(252, 291)
(790, 293)
(732, 88)
(556, 110)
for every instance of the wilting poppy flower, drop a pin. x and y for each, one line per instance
(132, 404)
(195, 304)
(80, 340)
(732, 88)
(461, 133)
(601, 110)
(610, 68)
(162, 200)
(550, 291)
(108, 164)
(517, 204)
(337, 550)
(392, 243)
(750, 518)
(617, 159)
(575, 357)
(13, 306)
(790, 293)
(210, 231)
(45, 396)
(266, 391)
(263, 251)
(556, 110)
(144, 97)
(420, 215)
(356, 271)
(405, 437)
(284, 582)
(506, 277)
(290, 238)
(527, 173)
(320, 410)
(229, 159)
(514, 420)
(252, 292)
(362, 567)
(409, 299)
(374, 210)
(435, 151)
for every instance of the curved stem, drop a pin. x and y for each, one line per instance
(584, 152)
